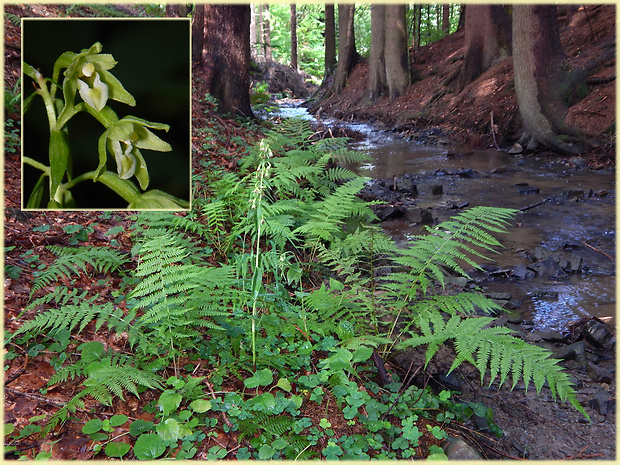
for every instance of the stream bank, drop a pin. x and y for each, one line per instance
(555, 278)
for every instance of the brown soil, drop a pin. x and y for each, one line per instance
(432, 102)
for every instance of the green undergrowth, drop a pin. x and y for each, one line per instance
(259, 314)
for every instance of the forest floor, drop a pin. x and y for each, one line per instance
(467, 116)
(485, 112)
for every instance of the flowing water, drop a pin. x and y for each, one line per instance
(565, 219)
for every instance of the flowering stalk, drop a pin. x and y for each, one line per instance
(87, 77)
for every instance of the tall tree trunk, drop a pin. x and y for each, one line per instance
(253, 55)
(462, 13)
(347, 55)
(226, 67)
(330, 40)
(445, 19)
(396, 53)
(487, 39)
(294, 37)
(542, 77)
(198, 33)
(377, 82)
(417, 21)
(267, 34)
(172, 11)
(260, 33)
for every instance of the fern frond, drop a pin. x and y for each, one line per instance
(120, 378)
(67, 318)
(76, 260)
(449, 245)
(494, 350)
(60, 296)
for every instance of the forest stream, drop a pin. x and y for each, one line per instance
(575, 206)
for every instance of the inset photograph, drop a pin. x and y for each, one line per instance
(106, 114)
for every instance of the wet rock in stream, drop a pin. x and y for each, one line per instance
(398, 195)
(599, 334)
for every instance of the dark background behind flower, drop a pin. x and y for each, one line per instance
(153, 58)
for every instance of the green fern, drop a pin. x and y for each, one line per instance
(70, 318)
(448, 246)
(59, 296)
(493, 350)
(76, 260)
(177, 296)
(273, 427)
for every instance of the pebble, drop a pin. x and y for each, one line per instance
(457, 449)
(598, 374)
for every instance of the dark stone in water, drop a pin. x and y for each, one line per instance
(406, 186)
(418, 215)
(572, 193)
(519, 272)
(388, 212)
(547, 294)
(467, 173)
(553, 336)
(436, 189)
(529, 191)
(499, 295)
(441, 172)
(574, 351)
(599, 334)
(546, 267)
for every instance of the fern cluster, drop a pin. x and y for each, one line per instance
(286, 247)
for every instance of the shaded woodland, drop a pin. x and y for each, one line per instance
(266, 321)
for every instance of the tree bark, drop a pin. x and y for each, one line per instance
(462, 12)
(294, 37)
(266, 34)
(226, 67)
(487, 39)
(198, 28)
(347, 55)
(417, 21)
(377, 82)
(330, 40)
(445, 19)
(543, 77)
(172, 11)
(253, 55)
(396, 53)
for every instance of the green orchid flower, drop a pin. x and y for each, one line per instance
(91, 68)
(123, 139)
(97, 95)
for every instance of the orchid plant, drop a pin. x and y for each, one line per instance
(87, 74)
